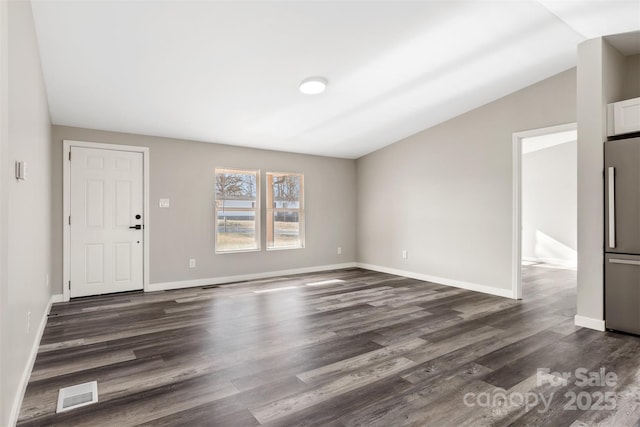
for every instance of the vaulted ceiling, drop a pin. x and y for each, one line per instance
(228, 71)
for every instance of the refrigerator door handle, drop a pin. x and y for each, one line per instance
(612, 206)
(623, 261)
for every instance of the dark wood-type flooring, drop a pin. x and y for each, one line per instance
(359, 348)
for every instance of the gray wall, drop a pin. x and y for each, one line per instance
(25, 205)
(4, 202)
(549, 204)
(591, 134)
(183, 171)
(602, 73)
(445, 194)
(631, 84)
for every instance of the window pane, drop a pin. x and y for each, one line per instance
(285, 210)
(286, 229)
(286, 191)
(235, 185)
(235, 234)
(236, 210)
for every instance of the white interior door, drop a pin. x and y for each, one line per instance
(106, 205)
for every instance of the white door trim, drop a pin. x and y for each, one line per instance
(66, 206)
(516, 246)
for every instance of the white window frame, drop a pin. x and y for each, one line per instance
(270, 211)
(255, 209)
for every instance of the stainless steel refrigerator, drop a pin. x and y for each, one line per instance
(622, 235)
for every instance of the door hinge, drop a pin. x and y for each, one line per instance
(69, 155)
(69, 219)
(69, 284)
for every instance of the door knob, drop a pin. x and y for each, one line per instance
(137, 227)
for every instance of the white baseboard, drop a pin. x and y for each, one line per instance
(589, 322)
(506, 293)
(26, 373)
(242, 277)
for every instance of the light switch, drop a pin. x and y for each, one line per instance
(164, 203)
(22, 170)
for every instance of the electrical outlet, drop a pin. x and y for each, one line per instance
(404, 254)
(192, 263)
(28, 321)
(339, 250)
(164, 203)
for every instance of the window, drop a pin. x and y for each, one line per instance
(237, 210)
(285, 210)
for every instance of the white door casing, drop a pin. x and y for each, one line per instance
(105, 192)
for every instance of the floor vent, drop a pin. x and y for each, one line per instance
(77, 396)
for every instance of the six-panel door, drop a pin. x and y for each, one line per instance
(106, 205)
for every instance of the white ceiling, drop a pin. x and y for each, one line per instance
(228, 72)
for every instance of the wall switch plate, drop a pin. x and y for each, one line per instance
(164, 203)
(404, 254)
(22, 170)
(192, 263)
(339, 250)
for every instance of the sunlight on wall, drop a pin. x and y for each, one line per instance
(551, 250)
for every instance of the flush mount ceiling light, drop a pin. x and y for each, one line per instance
(313, 85)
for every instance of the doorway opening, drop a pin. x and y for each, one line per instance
(545, 204)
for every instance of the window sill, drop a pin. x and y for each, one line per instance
(237, 251)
